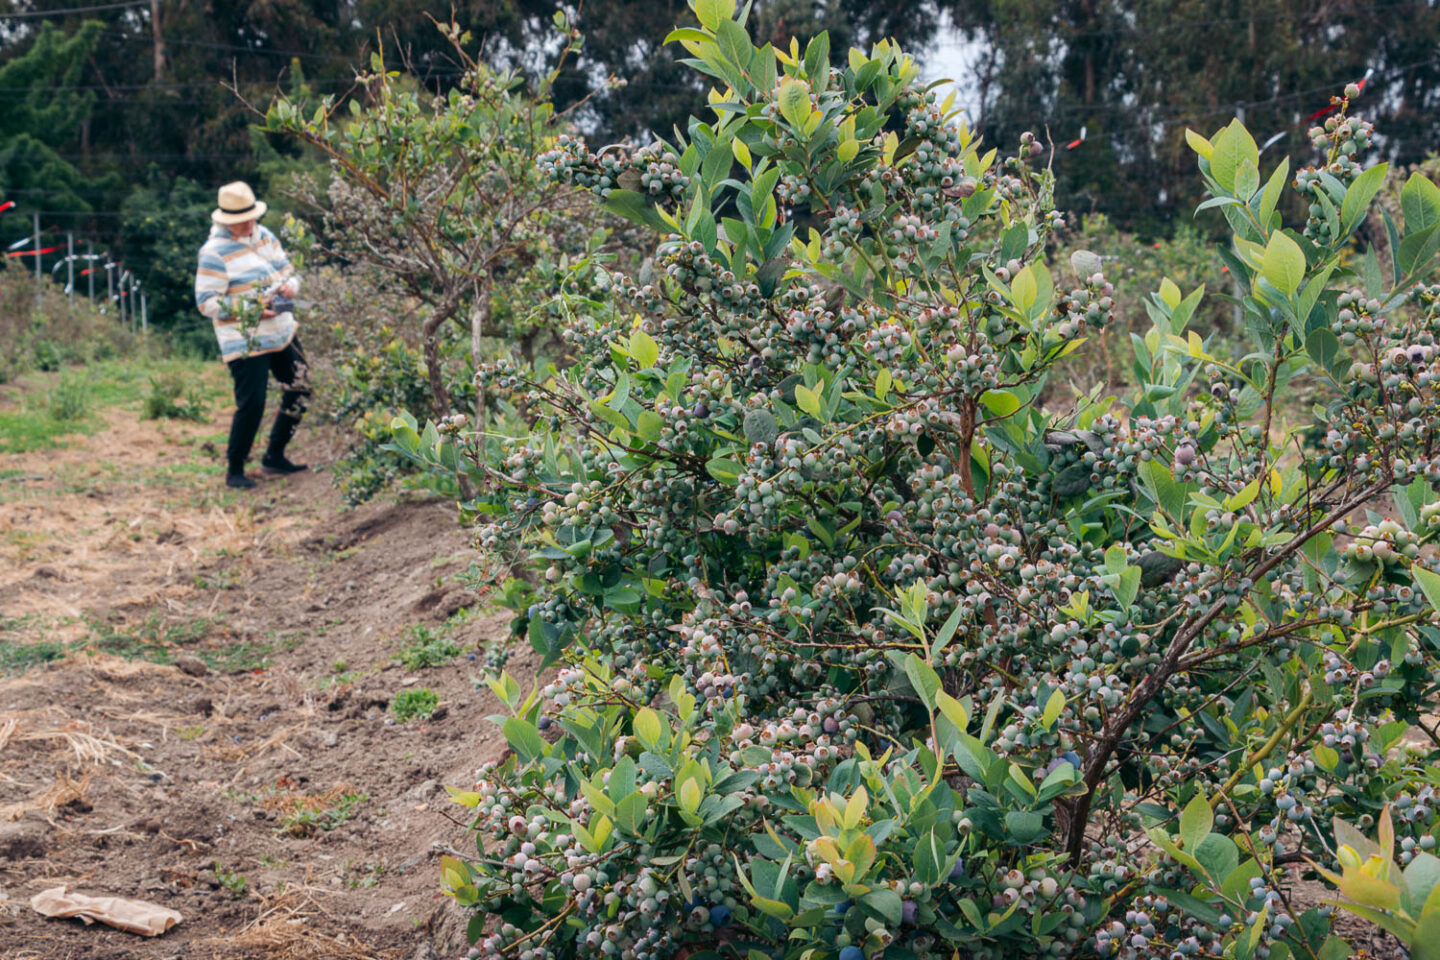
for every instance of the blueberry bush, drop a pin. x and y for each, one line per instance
(436, 206)
(863, 651)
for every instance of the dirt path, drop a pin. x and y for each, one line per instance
(193, 707)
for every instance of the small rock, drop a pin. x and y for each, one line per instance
(204, 706)
(440, 713)
(330, 738)
(425, 952)
(193, 666)
(423, 791)
(24, 840)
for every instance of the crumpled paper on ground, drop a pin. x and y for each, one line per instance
(136, 916)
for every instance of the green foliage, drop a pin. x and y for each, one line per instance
(375, 376)
(162, 225)
(865, 649)
(455, 178)
(313, 814)
(1402, 902)
(233, 881)
(428, 648)
(163, 400)
(69, 398)
(417, 703)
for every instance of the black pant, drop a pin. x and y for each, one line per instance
(252, 376)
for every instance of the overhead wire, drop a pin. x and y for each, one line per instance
(70, 11)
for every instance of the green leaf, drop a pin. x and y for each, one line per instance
(683, 33)
(649, 425)
(1271, 196)
(794, 100)
(1218, 854)
(1231, 147)
(923, 679)
(1024, 290)
(1283, 263)
(633, 207)
(1247, 179)
(1116, 559)
(1195, 821)
(726, 471)
(807, 399)
(886, 903)
(523, 738)
(647, 725)
(1053, 707)
(1360, 193)
(1429, 584)
(644, 349)
(1002, 403)
(1420, 203)
(1024, 826)
(711, 12)
(1426, 943)
(630, 812)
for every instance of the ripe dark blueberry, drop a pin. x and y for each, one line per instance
(909, 911)
(842, 908)
(1072, 757)
(719, 915)
(958, 871)
(830, 725)
(852, 953)
(701, 410)
(543, 723)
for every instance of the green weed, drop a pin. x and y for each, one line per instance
(418, 703)
(428, 648)
(233, 881)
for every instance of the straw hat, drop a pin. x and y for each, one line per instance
(238, 204)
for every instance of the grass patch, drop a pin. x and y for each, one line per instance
(71, 401)
(326, 812)
(428, 648)
(163, 401)
(416, 704)
(16, 658)
(159, 640)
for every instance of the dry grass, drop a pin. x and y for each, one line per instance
(284, 930)
(61, 792)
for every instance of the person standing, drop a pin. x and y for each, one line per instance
(242, 273)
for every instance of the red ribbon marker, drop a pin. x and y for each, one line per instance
(1333, 107)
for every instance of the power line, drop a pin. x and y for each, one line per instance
(28, 14)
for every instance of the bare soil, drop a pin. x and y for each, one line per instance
(209, 728)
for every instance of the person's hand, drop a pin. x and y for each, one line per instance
(287, 291)
(267, 314)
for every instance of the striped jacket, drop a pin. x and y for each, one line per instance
(230, 266)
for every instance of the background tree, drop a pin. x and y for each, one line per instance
(1136, 73)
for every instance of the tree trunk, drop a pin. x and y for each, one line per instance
(159, 39)
(440, 397)
(479, 323)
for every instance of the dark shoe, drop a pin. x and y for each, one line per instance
(238, 481)
(281, 466)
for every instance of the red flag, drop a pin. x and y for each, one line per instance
(31, 253)
(1333, 107)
